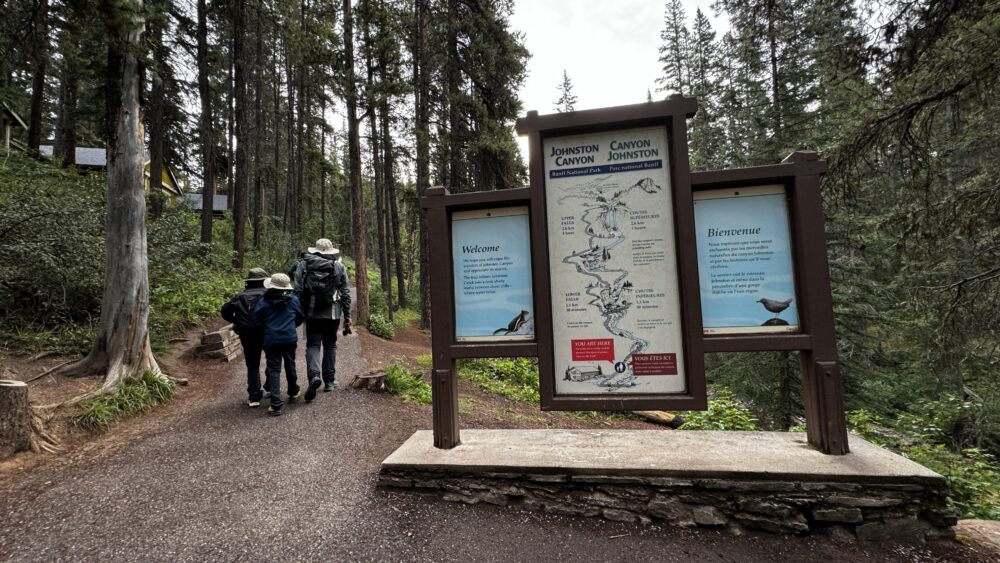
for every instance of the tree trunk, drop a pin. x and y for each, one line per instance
(422, 99)
(230, 119)
(205, 130)
(455, 176)
(290, 213)
(396, 245)
(157, 115)
(276, 184)
(772, 48)
(20, 429)
(122, 348)
(322, 161)
(39, 60)
(258, 136)
(241, 183)
(378, 177)
(354, 158)
(65, 147)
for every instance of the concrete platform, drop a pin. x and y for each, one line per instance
(771, 481)
(681, 454)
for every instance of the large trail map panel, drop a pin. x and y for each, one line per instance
(616, 315)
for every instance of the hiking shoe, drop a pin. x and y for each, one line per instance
(295, 397)
(330, 386)
(252, 403)
(311, 391)
(273, 411)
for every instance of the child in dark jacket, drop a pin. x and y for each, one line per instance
(279, 312)
(239, 311)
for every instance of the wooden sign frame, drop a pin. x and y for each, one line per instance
(672, 116)
(800, 174)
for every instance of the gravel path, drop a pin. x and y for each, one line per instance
(211, 479)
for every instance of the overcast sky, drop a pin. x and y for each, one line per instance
(609, 48)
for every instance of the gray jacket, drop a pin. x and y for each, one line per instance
(318, 309)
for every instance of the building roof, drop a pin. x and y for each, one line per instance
(90, 156)
(219, 202)
(96, 157)
(85, 156)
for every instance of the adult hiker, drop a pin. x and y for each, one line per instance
(239, 311)
(321, 279)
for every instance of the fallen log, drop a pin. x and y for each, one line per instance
(660, 417)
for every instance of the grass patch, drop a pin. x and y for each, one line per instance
(67, 339)
(514, 378)
(424, 360)
(599, 416)
(133, 396)
(404, 318)
(407, 383)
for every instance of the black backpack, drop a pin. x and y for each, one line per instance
(239, 310)
(320, 283)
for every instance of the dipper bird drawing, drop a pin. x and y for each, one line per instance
(515, 323)
(774, 305)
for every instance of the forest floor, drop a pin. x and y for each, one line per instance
(205, 478)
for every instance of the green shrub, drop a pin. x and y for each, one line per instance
(133, 396)
(380, 326)
(724, 413)
(407, 383)
(514, 378)
(973, 475)
(973, 479)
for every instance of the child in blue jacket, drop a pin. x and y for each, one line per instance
(279, 313)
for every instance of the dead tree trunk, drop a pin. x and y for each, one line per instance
(20, 428)
(122, 348)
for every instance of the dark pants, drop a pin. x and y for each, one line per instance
(321, 332)
(275, 356)
(253, 345)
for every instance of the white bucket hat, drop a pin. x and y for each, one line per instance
(279, 281)
(323, 246)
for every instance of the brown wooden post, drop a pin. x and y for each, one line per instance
(822, 391)
(444, 383)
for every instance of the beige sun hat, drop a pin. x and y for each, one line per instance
(323, 246)
(279, 281)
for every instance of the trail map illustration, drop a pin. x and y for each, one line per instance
(616, 312)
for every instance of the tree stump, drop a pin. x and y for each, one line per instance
(373, 381)
(20, 427)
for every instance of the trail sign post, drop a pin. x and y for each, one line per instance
(625, 249)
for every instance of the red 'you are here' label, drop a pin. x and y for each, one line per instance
(593, 349)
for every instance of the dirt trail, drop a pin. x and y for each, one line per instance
(207, 478)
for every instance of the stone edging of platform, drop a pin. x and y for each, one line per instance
(907, 512)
